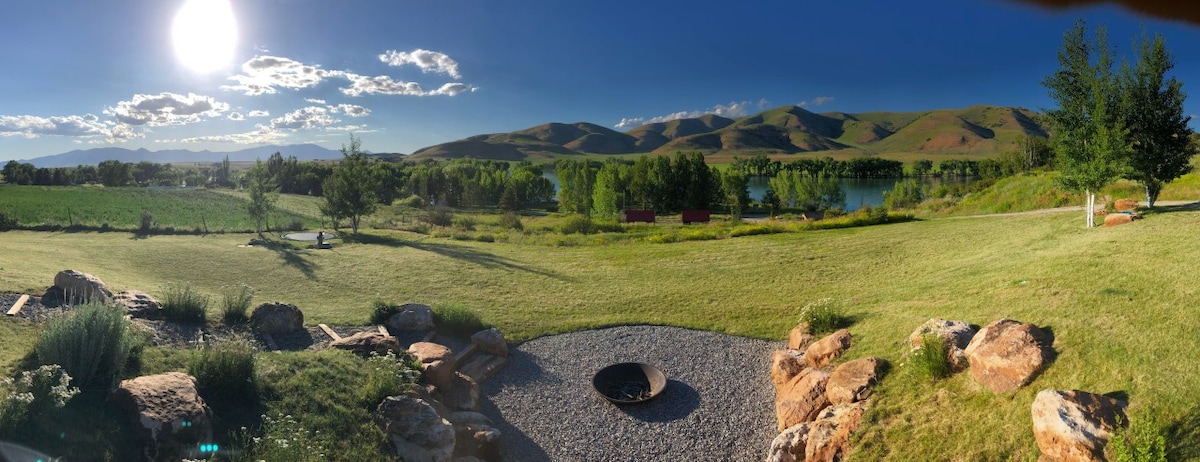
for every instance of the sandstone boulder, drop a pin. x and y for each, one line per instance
(956, 334)
(800, 337)
(790, 444)
(819, 354)
(367, 343)
(801, 398)
(415, 429)
(1006, 355)
(851, 382)
(461, 395)
(138, 304)
(491, 341)
(785, 364)
(475, 436)
(1123, 205)
(169, 418)
(829, 435)
(78, 287)
(437, 362)
(1114, 219)
(412, 316)
(277, 318)
(1074, 425)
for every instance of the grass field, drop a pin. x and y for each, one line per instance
(1119, 301)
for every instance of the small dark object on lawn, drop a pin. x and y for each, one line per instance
(628, 383)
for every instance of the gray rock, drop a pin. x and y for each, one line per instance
(81, 287)
(169, 418)
(277, 318)
(415, 429)
(412, 316)
(475, 436)
(367, 343)
(138, 304)
(491, 341)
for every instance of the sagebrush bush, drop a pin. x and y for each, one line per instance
(235, 301)
(1144, 442)
(182, 303)
(32, 395)
(456, 318)
(824, 316)
(225, 371)
(932, 359)
(510, 220)
(146, 223)
(388, 375)
(381, 311)
(464, 223)
(93, 344)
(438, 216)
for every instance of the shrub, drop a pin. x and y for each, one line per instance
(454, 318)
(414, 202)
(225, 371)
(381, 311)
(823, 316)
(1145, 442)
(34, 394)
(182, 303)
(510, 220)
(485, 238)
(752, 230)
(438, 216)
(581, 224)
(904, 195)
(464, 223)
(235, 301)
(147, 223)
(7, 221)
(932, 359)
(388, 375)
(93, 344)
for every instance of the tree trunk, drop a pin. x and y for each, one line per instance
(1090, 208)
(1153, 188)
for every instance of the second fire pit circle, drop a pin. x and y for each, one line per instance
(629, 383)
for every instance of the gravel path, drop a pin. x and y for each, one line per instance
(718, 405)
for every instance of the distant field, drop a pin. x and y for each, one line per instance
(122, 208)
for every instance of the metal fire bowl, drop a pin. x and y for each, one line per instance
(629, 372)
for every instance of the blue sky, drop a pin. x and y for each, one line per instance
(404, 75)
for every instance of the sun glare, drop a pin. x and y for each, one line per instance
(204, 34)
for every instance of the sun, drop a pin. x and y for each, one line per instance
(204, 34)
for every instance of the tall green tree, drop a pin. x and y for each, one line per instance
(1087, 131)
(607, 191)
(1159, 135)
(735, 189)
(263, 194)
(350, 189)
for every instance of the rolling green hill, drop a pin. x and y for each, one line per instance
(976, 131)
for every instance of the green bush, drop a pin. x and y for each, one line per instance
(582, 224)
(510, 220)
(235, 301)
(381, 311)
(413, 202)
(225, 371)
(823, 316)
(388, 375)
(464, 223)
(904, 195)
(7, 221)
(438, 216)
(1145, 442)
(146, 223)
(485, 237)
(92, 344)
(753, 230)
(932, 359)
(33, 395)
(182, 303)
(455, 318)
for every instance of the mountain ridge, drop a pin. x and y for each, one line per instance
(96, 155)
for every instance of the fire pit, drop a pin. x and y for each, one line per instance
(628, 383)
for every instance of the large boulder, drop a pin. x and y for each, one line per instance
(785, 364)
(169, 418)
(1124, 205)
(802, 398)
(790, 444)
(1074, 425)
(437, 362)
(956, 334)
(475, 436)
(1114, 219)
(461, 395)
(491, 341)
(1006, 355)
(277, 318)
(851, 381)
(78, 286)
(819, 354)
(138, 304)
(800, 337)
(415, 429)
(829, 435)
(367, 343)
(412, 316)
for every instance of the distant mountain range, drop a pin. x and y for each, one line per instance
(975, 131)
(95, 156)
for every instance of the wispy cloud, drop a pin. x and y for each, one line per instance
(428, 61)
(315, 100)
(733, 110)
(352, 110)
(262, 75)
(30, 126)
(258, 114)
(166, 109)
(816, 101)
(265, 75)
(236, 116)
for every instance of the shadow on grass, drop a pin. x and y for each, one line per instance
(459, 252)
(291, 257)
(1161, 209)
(1183, 437)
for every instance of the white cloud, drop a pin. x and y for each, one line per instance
(816, 101)
(263, 74)
(31, 126)
(382, 85)
(762, 103)
(166, 109)
(352, 110)
(734, 109)
(258, 114)
(303, 118)
(428, 61)
(315, 100)
(236, 116)
(260, 136)
(452, 89)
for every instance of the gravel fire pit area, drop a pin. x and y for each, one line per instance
(717, 404)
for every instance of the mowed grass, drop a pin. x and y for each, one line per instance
(122, 208)
(1121, 302)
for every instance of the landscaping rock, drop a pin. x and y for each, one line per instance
(367, 343)
(138, 304)
(415, 429)
(851, 382)
(1006, 355)
(1114, 219)
(437, 362)
(475, 435)
(1074, 425)
(789, 445)
(785, 364)
(491, 341)
(800, 337)
(412, 316)
(461, 395)
(956, 334)
(802, 398)
(81, 287)
(1122, 205)
(169, 418)
(829, 435)
(277, 318)
(819, 354)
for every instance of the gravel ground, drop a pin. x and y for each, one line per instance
(718, 404)
(33, 309)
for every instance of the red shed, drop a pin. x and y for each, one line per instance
(646, 216)
(696, 216)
